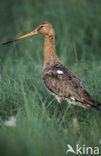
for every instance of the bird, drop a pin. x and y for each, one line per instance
(58, 79)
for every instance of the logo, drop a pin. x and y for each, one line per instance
(83, 150)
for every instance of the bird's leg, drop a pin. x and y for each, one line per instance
(59, 99)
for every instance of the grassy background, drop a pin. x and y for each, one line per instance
(39, 129)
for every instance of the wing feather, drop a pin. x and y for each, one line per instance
(66, 85)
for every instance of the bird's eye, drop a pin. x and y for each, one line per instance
(41, 26)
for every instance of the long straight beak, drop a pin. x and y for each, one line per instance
(24, 36)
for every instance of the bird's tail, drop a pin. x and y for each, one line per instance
(91, 102)
(97, 106)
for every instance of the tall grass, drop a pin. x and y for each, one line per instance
(40, 129)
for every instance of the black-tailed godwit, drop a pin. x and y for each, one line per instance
(59, 80)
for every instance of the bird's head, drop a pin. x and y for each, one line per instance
(44, 28)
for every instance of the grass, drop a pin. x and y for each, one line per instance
(39, 127)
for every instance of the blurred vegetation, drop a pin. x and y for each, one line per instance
(40, 129)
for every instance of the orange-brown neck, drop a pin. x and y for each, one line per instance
(50, 57)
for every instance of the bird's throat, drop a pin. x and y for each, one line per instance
(50, 57)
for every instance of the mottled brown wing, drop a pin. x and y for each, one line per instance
(66, 85)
